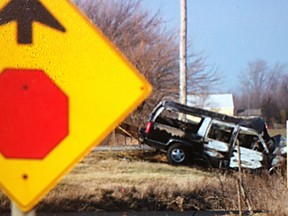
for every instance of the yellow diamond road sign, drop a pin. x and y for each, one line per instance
(63, 88)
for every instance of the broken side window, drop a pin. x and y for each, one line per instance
(220, 132)
(168, 125)
(249, 139)
(169, 121)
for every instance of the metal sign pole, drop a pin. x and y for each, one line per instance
(15, 211)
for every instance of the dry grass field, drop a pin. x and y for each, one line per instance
(273, 132)
(142, 180)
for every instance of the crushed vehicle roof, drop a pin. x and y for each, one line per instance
(256, 123)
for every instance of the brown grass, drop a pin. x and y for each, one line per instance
(274, 132)
(117, 181)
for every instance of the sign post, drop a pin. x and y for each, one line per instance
(17, 212)
(63, 88)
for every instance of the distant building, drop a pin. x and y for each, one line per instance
(221, 103)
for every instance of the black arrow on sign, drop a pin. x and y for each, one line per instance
(25, 12)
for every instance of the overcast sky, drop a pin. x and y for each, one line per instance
(232, 33)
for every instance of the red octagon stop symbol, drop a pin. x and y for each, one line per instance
(33, 114)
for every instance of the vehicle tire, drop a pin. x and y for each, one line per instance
(177, 154)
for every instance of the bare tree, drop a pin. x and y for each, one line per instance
(142, 39)
(202, 79)
(152, 49)
(271, 104)
(261, 87)
(253, 82)
(283, 92)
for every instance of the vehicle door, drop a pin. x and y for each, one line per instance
(218, 138)
(251, 148)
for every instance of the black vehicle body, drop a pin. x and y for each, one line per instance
(188, 133)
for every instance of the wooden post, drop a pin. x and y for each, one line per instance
(183, 52)
(239, 180)
(15, 211)
(240, 186)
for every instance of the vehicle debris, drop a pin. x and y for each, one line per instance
(188, 133)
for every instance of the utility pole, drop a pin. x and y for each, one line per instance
(249, 96)
(183, 53)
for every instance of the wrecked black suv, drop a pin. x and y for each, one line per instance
(189, 133)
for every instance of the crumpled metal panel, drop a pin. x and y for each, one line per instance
(249, 158)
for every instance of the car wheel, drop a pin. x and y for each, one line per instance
(177, 154)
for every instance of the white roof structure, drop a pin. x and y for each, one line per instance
(216, 102)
